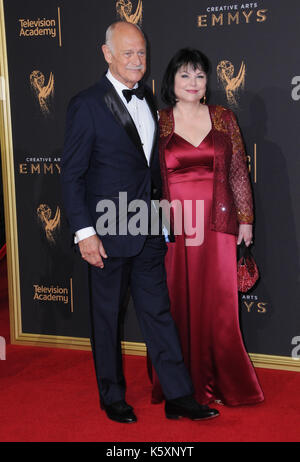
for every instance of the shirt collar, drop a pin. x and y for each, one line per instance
(119, 86)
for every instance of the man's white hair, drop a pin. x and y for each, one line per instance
(110, 31)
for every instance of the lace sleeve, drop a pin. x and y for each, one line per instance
(165, 129)
(239, 174)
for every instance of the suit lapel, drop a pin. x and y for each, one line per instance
(121, 114)
(151, 103)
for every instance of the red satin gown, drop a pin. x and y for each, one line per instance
(202, 282)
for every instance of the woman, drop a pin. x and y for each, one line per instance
(203, 163)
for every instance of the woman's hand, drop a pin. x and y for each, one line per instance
(245, 232)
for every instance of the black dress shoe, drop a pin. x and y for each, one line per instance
(120, 412)
(188, 407)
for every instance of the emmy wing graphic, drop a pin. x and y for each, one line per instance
(49, 224)
(42, 92)
(124, 9)
(231, 84)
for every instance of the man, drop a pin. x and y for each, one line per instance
(111, 147)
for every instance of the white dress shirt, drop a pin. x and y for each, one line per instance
(143, 120)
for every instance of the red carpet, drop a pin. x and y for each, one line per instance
(50, 395)
(2, 251)
(4, 314)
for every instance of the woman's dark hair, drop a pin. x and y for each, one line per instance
(183, 57)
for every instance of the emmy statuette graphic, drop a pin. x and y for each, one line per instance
(124, 10)
(50, 225)
(42, 92)
(231, 84)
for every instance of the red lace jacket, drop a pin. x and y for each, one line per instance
(232, 196)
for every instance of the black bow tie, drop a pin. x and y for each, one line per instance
(139, 92)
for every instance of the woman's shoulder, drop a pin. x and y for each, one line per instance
(222, 117)
(218, 110)
(166, 121)
(165, 112)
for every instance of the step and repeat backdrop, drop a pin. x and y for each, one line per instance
(54, 51)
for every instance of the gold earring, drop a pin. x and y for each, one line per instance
(204, 100)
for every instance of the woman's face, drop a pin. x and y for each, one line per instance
(189, 84)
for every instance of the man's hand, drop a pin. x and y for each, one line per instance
(245, 232)
(92, 251)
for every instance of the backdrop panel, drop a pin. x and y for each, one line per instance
(54, 51)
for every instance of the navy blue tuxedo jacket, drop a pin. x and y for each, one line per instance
(103, 156)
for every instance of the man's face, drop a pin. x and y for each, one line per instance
(127, 59)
